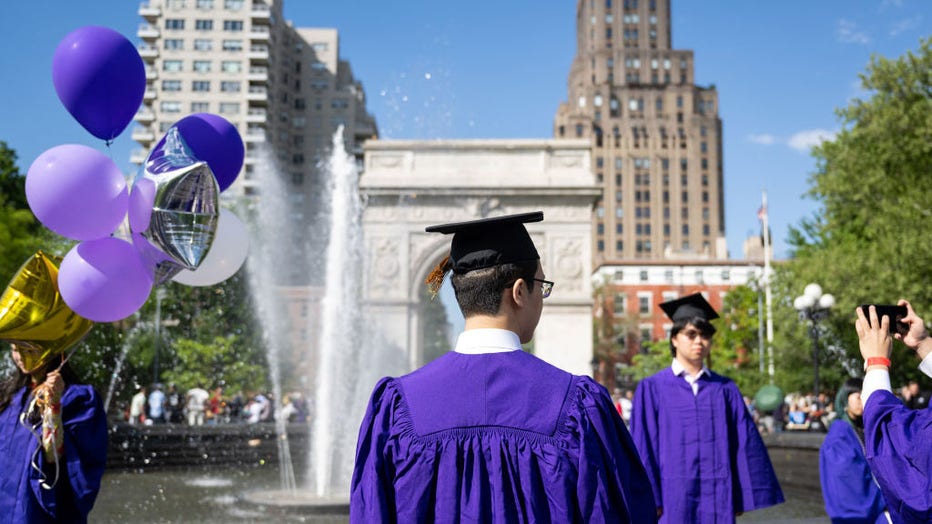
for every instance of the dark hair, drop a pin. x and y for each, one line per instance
(479, 292)
(19, 380)
(703, 325)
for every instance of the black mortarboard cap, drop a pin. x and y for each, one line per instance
(488, 242)
(688, 307)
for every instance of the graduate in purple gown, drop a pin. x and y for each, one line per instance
(487, 432)
(700, 446)
(850, 492)
(898, 439)
(51, 460)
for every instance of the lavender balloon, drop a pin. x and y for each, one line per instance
(77, 192)
(214, 140)
(104, 280)
(100, 78)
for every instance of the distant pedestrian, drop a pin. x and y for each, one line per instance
(137, 407)
(195, 405)
(157, 405)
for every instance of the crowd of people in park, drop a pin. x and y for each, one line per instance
(198, 406)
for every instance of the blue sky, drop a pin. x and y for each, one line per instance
(491, 69)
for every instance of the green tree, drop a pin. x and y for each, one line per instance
(869, 241)
(21, 235)
(656, 358)
(212, 364)
(735, 351)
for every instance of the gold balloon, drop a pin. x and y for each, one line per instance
(34, 317)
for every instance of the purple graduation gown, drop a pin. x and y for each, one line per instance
(499, 437)
(22, 499)
(898, 443)
(703, 453)
(848, 488)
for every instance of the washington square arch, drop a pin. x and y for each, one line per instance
(408, 185)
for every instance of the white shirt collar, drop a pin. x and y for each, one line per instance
(487, 340)
(678, 369)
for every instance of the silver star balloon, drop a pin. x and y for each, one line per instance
(174, 208)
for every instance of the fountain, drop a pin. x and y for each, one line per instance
(341, 381)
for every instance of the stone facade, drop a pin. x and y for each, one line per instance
(409, 185)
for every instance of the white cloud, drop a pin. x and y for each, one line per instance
(905, 25)
(764, 139)
(805, 140)
(848, 33)
(891, 3)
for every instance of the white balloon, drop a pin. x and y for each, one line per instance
(227, 254)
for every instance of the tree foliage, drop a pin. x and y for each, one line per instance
(214, 363)
(869, 241)
(21, 235)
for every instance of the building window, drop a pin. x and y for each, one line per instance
(170, 107)
(174, 43)
(203, 44)
(233, 5)
(230, 87)
(229, 108)
(200, 107)
(619, 245)
(233, 25)
(233, 45)
(202, 66)
(172, 65)
(200, 85)
(205, 4)
(171, 85)
(174, 23)
(685, 229)
(204, 25)
(600, 228)
(644, 304)
(621, 300)
(231, 66)
(601, 245)
(619, 229)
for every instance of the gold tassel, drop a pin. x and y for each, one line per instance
(435, 279)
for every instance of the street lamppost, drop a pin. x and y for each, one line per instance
(813, 306)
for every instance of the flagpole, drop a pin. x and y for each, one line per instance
(767, 294)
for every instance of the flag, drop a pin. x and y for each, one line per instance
(761, 213)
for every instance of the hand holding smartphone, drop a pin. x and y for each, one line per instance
(895, 313)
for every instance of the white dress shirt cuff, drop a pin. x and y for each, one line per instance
(875, 380)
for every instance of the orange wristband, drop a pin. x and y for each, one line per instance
(877, 361)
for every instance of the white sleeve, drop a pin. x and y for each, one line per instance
(875, 380)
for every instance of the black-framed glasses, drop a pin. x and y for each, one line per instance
(546, 286)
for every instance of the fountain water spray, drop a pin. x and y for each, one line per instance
(337, 409)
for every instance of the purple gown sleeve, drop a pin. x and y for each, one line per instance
(371, 491)
(899, 451)
(848, 488)
(643, 425)
(612, 485)
(84, 460)
(755, 483)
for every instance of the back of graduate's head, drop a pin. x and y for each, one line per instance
(692, 310)
(480, 292)
(487, 257)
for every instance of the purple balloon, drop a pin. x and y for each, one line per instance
(104, 280)
(214, 140)
(77, 192)
(100, 78)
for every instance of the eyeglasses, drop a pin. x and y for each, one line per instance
(692, 334)
(546, 286)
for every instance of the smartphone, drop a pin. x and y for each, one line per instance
(896, 313)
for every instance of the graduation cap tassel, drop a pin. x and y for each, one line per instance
(435, 279)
